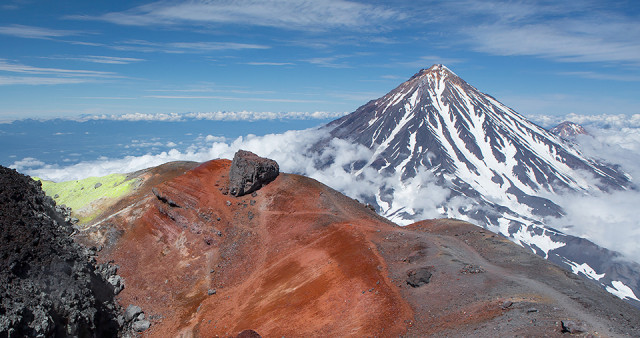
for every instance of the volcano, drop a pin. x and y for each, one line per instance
(482, 148)
(505, 169)
(568, 130)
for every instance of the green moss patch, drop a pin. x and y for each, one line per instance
(90, 196)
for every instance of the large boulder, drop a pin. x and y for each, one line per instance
(249, 172)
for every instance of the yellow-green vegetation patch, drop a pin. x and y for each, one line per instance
(89, 196)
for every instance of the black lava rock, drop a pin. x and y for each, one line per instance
(418, 277)
(49, 285)
(250, 172)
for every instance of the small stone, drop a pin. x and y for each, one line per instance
(228, 203)
(117, 282)
(132, 312)
(140, 325)
(56, 196)
(418, 277)
(98, 185)
(532, 310)
(248, 334)
(211, 292)
(569, 326)
(120, 320)
(507, 304)
(469, 268)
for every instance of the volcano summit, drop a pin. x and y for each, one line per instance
(480, 147)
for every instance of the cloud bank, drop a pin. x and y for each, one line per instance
(609, 219)
(219, 116)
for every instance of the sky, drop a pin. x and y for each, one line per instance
(71, 58)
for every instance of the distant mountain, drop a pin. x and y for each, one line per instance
(484, 151)
(568, 130)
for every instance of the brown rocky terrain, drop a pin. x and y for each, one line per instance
(296, 258)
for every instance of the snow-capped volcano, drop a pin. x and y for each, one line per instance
(506, 169)
(438, 121)
(568, 130)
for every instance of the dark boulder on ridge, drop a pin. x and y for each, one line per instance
(249, 172)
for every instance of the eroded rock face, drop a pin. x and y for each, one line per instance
(249, 172)
(50, 285)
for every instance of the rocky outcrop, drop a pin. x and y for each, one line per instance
(249, 172)
(50, 284)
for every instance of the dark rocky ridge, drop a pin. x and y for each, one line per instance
(50, 284)
(249, 172)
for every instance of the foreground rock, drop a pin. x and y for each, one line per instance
(49, 287)
(249, 172)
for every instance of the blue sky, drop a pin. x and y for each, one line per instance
(66, 58)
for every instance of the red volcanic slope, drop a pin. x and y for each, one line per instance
(300, 259)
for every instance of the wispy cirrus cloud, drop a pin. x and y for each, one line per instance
(48, 76)
(604, 76)
(36, 80)
(182, 47)
(559, 31)
(212, 88)
(231, 98)
(329, 62)
(114, 60)
(25, 69)
(305, 15)
(270, 63)
(555, 42)
(32, 32)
